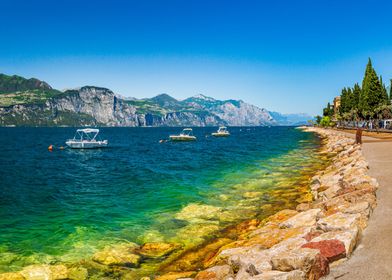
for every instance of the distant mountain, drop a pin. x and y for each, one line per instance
(31, 102)
(291, 119)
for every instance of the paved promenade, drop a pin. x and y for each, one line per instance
(373, 258)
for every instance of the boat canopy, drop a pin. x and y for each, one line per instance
(222, 129)
(186, 131)
(88, 130)
(86, 134)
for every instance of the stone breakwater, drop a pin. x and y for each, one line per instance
(291, 244)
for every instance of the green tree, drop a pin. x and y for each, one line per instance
(326, 121)
(355, 98)
(343, 101)
(328, 111)
(372, 94)
(350, 100)
(384, 92)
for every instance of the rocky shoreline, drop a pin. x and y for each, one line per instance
(304, 243)
(291, 244)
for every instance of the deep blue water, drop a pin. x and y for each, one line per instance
(65, 203)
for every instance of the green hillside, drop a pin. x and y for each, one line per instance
(16, 90)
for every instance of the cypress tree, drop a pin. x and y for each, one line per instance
(350, 100)
(328, 111)
(371, 95)
(384, 92)
(356, 94)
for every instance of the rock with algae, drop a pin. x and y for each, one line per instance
(156, 249)
(118, 255)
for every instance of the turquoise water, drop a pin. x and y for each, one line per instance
(66, 204)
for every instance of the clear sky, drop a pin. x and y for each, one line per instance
(287, 56)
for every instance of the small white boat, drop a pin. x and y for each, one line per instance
(185, 135)
(86, 139)
(222, 132)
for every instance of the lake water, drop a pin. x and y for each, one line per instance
(66, 204)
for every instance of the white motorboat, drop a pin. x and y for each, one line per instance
(86, 139)
(185, 135)
(222, 132)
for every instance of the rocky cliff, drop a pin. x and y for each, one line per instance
(31, 102)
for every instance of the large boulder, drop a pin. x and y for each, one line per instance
(279, 275)
(270, 235)
(362, 207)
(280, 217)
(287, 245)
(338, 221)
(333, 249)
(221, 272)
(302, 219)
(254, 259)
(348, 237)
(307, 260)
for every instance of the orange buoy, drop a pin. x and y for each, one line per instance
(50, 148)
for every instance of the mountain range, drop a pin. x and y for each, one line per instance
(32, 102)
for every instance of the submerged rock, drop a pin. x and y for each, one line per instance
(175, 275)
(198, 211)
(51, 272)
(11, 276)
(156, 249)
(196, 233)
(118, 255)
(251, 194)
(78, 273)
(198, 258)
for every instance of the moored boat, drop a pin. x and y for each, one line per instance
(185, 135)
(86, 139)
(222, 132)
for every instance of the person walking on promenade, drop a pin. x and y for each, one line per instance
(358, 136)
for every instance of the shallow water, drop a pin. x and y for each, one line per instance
(66, 204)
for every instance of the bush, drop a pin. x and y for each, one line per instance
(326, 122)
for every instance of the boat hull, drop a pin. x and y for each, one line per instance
(86, 145)
(216, 134)
(178, 138)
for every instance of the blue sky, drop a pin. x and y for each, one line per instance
(287, 56)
